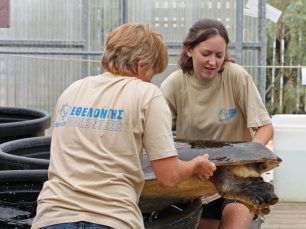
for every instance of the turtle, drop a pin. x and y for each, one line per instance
(238, 176)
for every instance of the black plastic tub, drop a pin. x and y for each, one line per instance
(19, 190)
(26, 153)
(18, 122)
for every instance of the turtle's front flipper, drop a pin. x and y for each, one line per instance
(254, 192)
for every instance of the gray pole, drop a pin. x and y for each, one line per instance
(239, 32)
(262, 51)
(86, 36)
(123, 11)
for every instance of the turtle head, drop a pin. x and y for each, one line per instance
(244, 183)
(269, 164)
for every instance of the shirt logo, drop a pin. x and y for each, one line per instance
(64, 111)
(101, 119)
(226, 114)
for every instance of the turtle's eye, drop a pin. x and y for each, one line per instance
(263, 166)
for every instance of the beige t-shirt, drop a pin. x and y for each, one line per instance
(102, 124)
(227, 108)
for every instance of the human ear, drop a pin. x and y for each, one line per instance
(142, 72)
(188, 50)
(139, 68)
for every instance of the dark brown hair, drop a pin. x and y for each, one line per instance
(199, 32)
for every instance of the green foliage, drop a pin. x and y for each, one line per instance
(289, 97)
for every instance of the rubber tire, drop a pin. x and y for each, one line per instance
(18, 122)
(188, 218)
(27, 153)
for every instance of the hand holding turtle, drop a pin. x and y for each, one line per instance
(204, 168)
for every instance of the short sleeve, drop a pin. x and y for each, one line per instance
(251, 103)
(158, 139)
(168, 89)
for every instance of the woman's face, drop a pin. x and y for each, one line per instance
(207, 57)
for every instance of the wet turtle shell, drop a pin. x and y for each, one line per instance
(239, 166)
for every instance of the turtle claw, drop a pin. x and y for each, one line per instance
(259, 209)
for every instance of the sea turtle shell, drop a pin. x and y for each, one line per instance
(239, 166)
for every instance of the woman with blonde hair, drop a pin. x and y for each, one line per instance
(95, 172)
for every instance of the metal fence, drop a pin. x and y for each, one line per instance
(51, 43)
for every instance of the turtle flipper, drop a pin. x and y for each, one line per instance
(254, 192)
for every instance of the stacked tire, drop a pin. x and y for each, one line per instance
(24, 160)
(18, 122)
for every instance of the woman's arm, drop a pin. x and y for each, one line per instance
(263, 134)
(171, 171)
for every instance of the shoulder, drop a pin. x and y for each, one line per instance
(174, 80)
(129, 83)
(235, 72)
(145, 86)
(144, 90)
(75, 85)
(233, 68)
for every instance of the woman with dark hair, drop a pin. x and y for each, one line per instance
(212, 98)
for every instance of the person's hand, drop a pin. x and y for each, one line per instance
(204, 168)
